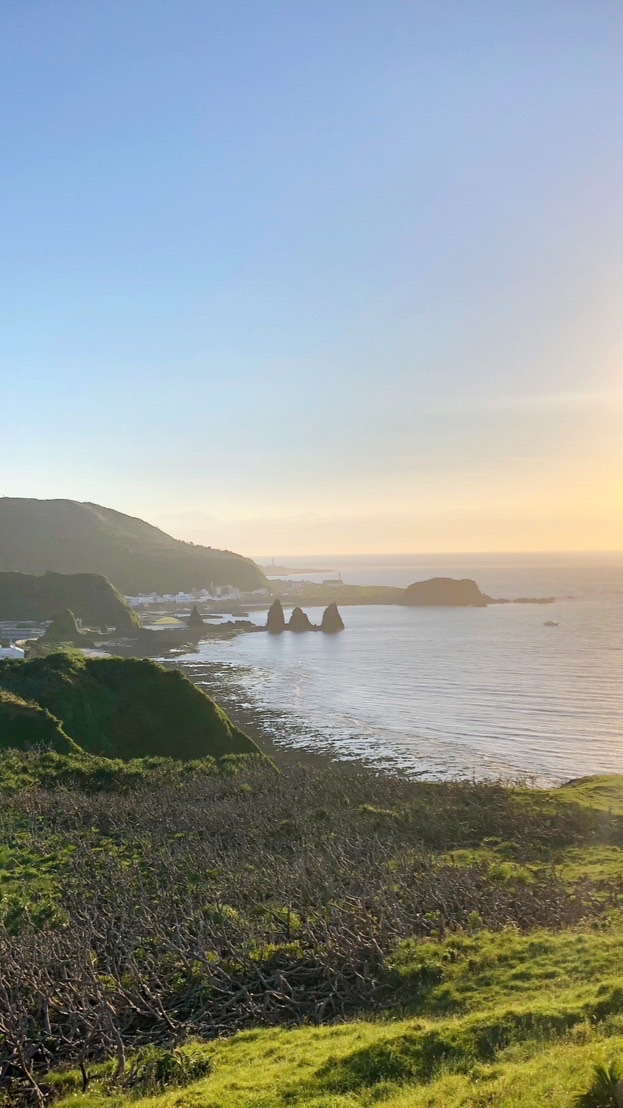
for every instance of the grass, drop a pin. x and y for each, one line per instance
(24, 723)
(474, 1016)
(46, 769)
(468, 973)
(518, 1057)
(603, 794)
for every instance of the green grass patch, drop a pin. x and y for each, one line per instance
(603, 794)
(373, 1064)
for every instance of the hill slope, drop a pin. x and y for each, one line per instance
(88, 595)
(25, 725)
(70, 537)
(119, 707)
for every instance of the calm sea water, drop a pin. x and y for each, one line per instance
(445, 692)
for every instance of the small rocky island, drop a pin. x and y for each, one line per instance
(444, 592)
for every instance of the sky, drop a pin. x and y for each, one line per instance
(337, 276)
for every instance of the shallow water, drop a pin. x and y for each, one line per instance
(447, 692)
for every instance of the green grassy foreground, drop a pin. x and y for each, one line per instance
(527, 1018)
(474, 933)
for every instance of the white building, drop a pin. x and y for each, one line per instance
(9, 650)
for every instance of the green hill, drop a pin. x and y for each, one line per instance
(70, 537)
(118, 707)
(25, 725)
(88, 595)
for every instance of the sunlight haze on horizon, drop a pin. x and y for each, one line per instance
(306, 278)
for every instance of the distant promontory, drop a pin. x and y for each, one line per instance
(436, 592)
(89, 596)
(67, 536)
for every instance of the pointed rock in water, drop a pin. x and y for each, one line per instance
(299, 621)
(276, 620)
(332, 620)
(63, 628)
(194, 619)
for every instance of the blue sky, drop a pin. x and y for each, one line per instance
(317, 277)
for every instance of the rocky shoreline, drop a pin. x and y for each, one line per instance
(222, 683)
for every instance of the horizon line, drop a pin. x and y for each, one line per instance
(437, 553)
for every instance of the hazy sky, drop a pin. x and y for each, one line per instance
(317, 275)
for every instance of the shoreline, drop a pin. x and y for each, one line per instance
(221, 682)
(248, 718)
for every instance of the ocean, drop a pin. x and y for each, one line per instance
(446, 692)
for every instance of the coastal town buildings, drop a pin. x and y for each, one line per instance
(216, 592)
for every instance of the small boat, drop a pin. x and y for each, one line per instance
(550, 623)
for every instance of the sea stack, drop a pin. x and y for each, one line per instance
(195, 621)
(63, 628)
(332, 620)
(299, 621)
(276, 621)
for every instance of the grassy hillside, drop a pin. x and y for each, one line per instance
(90, 597)
(70, 537)
(118, 707)
(24, 725)
(328, 938)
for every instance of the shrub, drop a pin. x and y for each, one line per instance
(606, 1088)
(153, 1068)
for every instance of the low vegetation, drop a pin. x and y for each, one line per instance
(217, 934)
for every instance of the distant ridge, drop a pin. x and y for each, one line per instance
(67, 536)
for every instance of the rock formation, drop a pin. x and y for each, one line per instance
(64, 628)
(195, 621)
(332, 620)
(445, 592)
(276, 621)
(300, 621)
